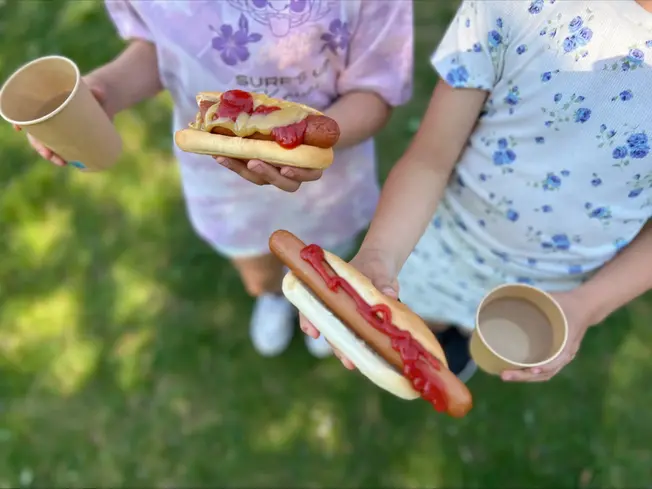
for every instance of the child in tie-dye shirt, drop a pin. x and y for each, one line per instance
(351, 59)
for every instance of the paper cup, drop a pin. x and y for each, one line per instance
(48, 99)
(517, 327)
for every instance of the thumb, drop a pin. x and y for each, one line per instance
(387, 287)
(99, 93)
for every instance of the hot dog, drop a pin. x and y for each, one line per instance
(245, 125)
(387, 342)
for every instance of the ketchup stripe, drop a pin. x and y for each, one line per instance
(417, 361)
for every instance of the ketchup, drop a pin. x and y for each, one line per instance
(234, 102)
(417, 361)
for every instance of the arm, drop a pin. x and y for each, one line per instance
(417, 182)
(621, 280)
(130, 78)
(360, 116)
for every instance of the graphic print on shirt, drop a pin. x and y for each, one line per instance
(231, 42)
(283, 15)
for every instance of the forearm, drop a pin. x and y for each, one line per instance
(408, 201)
(360, 116)
(621, 280)
(131, 77)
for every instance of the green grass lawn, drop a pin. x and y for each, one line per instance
(125, 359)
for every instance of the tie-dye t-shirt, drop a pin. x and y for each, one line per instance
(311, 51)
(557, 175)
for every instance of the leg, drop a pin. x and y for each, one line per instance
(455, 343)
(272, 321)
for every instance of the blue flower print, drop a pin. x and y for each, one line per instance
(504, 155)
(539, 140)
(601, 213)
(620, 243)
(575, 36)
(458, 77)
(555, 242)
(635, 147)
(546, 209)
(512, 98)
(575, 269)
(232, 45)
(467, 23)
(477, 47)
(634, 59)
(536, 7)
(596, 181)
(648, 44)
(499, 23)
(337, 37)
(521, 49)
(494, 39)
(575, 24)
(559, 114)
(582, 115)
(623, 96)
(552, 182)
(547, 76)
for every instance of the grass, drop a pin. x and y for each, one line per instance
(125, 360)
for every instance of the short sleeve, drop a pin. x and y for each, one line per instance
(127, 21)
(380, 57)
(472, 52)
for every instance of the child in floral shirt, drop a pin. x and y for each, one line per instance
(532, 165)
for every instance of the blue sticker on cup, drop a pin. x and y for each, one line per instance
(77, 164)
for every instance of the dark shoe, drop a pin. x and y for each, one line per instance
(456, 349)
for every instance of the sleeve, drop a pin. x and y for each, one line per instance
(472, 52)
(127, 21)
(380, 57)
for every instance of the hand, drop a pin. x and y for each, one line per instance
(100, 90)
(374, 265)
(286, 178)
(578, 323)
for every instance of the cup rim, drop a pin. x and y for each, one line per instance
(478, 330)
(55, 111)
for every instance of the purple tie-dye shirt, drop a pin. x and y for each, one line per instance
(312, 51)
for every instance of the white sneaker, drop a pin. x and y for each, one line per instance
(272, 325)
(318, 347)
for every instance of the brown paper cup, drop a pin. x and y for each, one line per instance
(517, 327)
(48, 99)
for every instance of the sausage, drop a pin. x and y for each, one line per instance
(287, 248)
(321, 131)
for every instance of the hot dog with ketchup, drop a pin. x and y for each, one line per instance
(246, 125)
(387, 342)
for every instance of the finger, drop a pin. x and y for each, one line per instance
(529, 375)
(57, 160)
(240, 167)
(348, 364)
(272, 175)
(307, 327)
(300, 174)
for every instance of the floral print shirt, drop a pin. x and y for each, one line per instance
(557, 175)
(311, 51)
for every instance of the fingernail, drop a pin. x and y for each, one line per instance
(536, 371)
(287, 172)
(220, 160)
(387, 291)
(507, 377)
(256, 167)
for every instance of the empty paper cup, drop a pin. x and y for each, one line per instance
(48, 99)
(517, 327)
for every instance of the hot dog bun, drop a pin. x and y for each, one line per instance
(202, 142)
(199, 138)
(366, 360)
